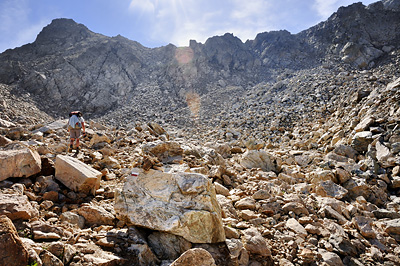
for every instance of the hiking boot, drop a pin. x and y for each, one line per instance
(70, 148)
(77, 150)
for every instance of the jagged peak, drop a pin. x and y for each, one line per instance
(227, 37)
(63, 29)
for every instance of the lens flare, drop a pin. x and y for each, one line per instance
(184, 55)
(193, 101)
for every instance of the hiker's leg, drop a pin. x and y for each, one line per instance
(71, 144)
(77, 142)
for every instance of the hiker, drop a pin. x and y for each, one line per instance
(76, 123)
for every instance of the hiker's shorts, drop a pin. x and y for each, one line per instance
(75, 133)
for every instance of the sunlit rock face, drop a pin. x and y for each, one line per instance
(183, 204)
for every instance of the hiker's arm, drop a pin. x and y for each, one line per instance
(83, 127)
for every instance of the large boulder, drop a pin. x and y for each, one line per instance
(16, 206)
(12, 251)
(76, 175)
(183, 204)
(19, 163)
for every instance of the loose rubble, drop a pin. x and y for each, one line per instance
(328, 194)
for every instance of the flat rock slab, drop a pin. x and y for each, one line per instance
(182, 204)
(76, 175)
(19, 163)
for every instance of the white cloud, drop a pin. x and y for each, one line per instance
(325, 8)
(178, 21)
(142, 5)
(15, 28)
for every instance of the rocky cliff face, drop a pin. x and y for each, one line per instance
(70, 67)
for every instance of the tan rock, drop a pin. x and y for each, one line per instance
(12, 251)
(156, 130)
(255, 243)
(317, 228)
(331, 259)
(330, 189)
(392, 226)
(220, 189)
(345, 150)
(296, 207)
(261, 194)
(342, 175)
(195, 256)
(96, 215)
(258, 159)
(231, 232)
(110, 162)
(16, 207)
(183, 204)
(396, 181)
(382, 152)
(238, 254)
(6, 124)
(361, 140)
(246, 203)
(248, 215)
(19, 163)
(4, 141)
(98, 138)
(73, 218)
(316, 177)
(165, 151)
(296, 227)
(396, 171)
(364, 124)
(76, 175)
(227, 207)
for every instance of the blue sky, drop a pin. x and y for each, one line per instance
(155, 23)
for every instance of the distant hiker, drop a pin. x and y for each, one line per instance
(76, 123)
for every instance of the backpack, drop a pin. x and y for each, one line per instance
(74, 121)
(77, 113)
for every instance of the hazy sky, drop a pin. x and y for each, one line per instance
(156, 23)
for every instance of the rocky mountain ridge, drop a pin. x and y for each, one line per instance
(68, 66)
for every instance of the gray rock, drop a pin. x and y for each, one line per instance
(361, 140)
